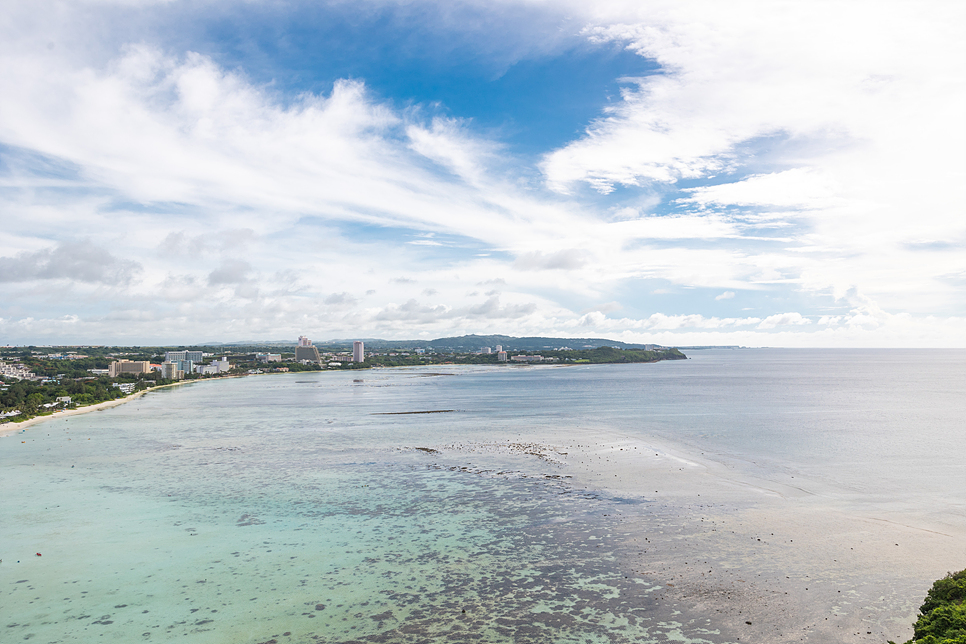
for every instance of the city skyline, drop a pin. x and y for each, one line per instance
(678, 173)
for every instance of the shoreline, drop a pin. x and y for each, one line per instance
(12, 427)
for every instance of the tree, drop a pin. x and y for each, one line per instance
(942, 616)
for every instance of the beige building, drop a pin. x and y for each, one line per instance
(132, 367)
(170, 371)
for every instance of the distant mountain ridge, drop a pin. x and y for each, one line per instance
(476, 342)
(462, 343)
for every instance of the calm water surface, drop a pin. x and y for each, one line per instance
(293, 508)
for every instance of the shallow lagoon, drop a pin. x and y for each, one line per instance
(293, 508)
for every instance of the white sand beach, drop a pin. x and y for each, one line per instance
(13, 427)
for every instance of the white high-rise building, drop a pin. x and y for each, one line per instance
(358, 351)
(176, 356)
(499, 348)
(486, 350)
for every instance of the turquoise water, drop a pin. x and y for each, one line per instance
(297, 508)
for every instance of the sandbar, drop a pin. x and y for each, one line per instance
(765, 560)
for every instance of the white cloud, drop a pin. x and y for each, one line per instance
(569, 259)
(872, 130)
(81, 261)
(218, 205)
(798, 188)
(445, 142)
(233, 271)
(783, 319)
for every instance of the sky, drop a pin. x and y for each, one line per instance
(682, 172)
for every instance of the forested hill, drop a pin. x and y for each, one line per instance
(610, 355)
(466, 343)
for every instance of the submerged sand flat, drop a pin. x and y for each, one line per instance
(638, 503)
(797, 565)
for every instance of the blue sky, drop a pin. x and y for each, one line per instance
(764, 174)
(533, 101)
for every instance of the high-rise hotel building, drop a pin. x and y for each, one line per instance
(305, 351)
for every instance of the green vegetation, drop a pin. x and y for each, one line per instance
(942, 617)
(600, 355)
(29, 397)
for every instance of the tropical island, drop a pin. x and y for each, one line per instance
(41, 381)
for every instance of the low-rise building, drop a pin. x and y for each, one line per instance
(268, 357)
(16, 371)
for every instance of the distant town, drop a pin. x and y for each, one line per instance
(37, 381)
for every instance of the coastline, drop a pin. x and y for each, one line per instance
(11, 428)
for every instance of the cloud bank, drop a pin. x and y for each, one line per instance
(779, 174)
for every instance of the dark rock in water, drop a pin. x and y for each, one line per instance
(320, 607)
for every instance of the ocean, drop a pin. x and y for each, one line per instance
(741, 495)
